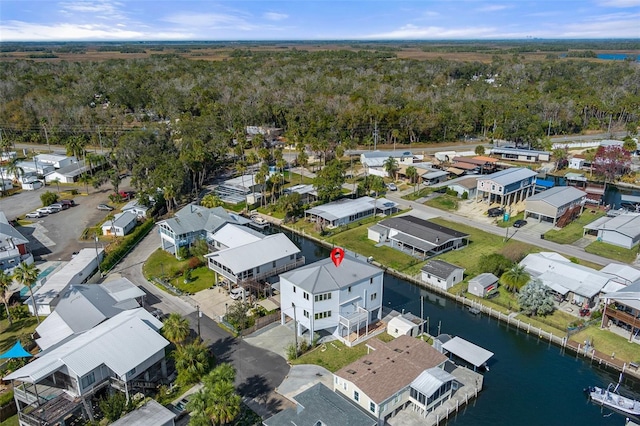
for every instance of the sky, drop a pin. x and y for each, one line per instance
(158, 20)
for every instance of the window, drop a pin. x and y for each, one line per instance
(305, 295)
(321, 315)
(372, 407)
(306, 313)
(356, 396)
(257, 270)
(273, 264)
(374, 296)
(291, 257)
(349, 289)
(371, 280)
(294, 288)
(321, 297)
(88, 380)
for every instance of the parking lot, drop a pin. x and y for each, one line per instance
(56, 236)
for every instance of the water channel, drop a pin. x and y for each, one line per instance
(530, 382)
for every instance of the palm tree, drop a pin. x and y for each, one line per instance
(192, 361)
(13, 169)
(515, 278)
(224, 403)
(176, 329)
(5, 294)
(391, 167)
(412, 174)
(57, 182)
(223, 372)
(27, 275)
(210, 201)
(197, 407)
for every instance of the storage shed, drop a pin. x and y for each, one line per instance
(483, 284)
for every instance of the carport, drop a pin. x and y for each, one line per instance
(471, 353)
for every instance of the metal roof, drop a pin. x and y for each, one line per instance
(231, 235)
(193, 218)
(485, 279)
(518, 151)
(627, 224)
(468, 351)
(509, 176)
(323, 275)
(320, 405)
(151, 413)
(431, 380)
(626, 272)
(257, 253)
(435, 174)
(559, 196)
(440, 268)
(7, 231)
(73, 170)
(345, 208)
(429, 232)
(120, 343)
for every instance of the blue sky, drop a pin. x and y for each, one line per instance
(48, 20)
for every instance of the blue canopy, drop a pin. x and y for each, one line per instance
(17, 351)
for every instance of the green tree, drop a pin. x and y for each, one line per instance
(515, 278)
(412, 174)
(391, 167)
(210, 201)
(494, 263)
(535, 299)
(176, 329)
(328, 181)
(57, 182)
(218, 400)
(479, 150)
(290, 205)
(192, 362)
(237, 315)
(629, 144)
(200, 248)
(5, 294)
(27, 275)
(48, 198)
(303, 162)
(114, 406)
(14, 169)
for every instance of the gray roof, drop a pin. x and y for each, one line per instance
(343, 208)
(136, 330)
(151, 413)
(627, 224)
(320, 404)
(387, 154)
(485, 280)
(558, 196)
(323, 275)
(422, 229)
(430, 380)
(8, 231)
(435, 174)
(120, 220)
(193, 218)
(518, 151)
(467, 351)
(440, 268)
(509, 176)
(630, 295)
(73, 170)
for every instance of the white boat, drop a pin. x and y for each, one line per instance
(610, 398)
(258, 222)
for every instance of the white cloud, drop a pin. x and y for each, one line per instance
(273, 16)
(493, 8)
(211, 21)
(619, 3)
(99, 9)
(432, 32)
(430, 14)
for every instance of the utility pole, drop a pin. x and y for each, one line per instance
(295, 327)
(198, 314)
(46, 136)
(100, 140)
(375, 135)
(421, 315)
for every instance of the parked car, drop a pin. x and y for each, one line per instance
(105, 207)
(35, 214)
(237, 293)
(59, 206)
(495, 211)
(181, 407)
(584, 312)
(69, 203)
(392, 187)
(127, 195)
(55, 207)
(519, 223)
(46, 210)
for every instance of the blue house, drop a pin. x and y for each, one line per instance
(507, 186)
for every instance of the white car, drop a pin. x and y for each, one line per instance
(35, 214)
(237, 293)
(46, 210)
(55, 208)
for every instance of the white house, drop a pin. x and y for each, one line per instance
(576, 163)
(347, 210)
(55, 160)
(373, 161)
(551, 204)
(121, 224)
(518, 154)
(78, 271)
(255, 260)
(401, 326)
(134, 206)
(483, 284)
(405, 372)
(622, 230)
(126, 352)
(341, 300)
(442, 274)
(14, 247)
(67, 174)
(8, 155)
(240, 189)
(230, 236)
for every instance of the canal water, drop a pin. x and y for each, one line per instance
(530, 381)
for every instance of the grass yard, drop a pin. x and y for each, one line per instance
(502, 224)
(573, 231)
(332, 356)
(608, 343)
(418, 194)
(11, 421)
(201, 278)
(481, 243)
(296, 179)
(163, 264)
(21, 329)
(443, 202)
(613, 252)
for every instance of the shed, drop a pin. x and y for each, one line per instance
(442, 274)
(151, 413)
(401, 326)
(121, 224)
(471, 353)
(483, 284)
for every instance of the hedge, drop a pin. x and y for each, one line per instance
(130, 241)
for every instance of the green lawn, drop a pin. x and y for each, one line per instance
(163, 264)
(443, 202)
(332, 356)
(613, 252)
(573, 231)
(21, 329)
(418, 194)
(296, 179)
(11, 421)
(502, 224)
(608, 342)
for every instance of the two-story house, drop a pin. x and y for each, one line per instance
(13, 246)
(552, 204)
(126, 352)
(341, 300)
(507, 186)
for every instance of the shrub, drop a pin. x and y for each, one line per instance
(127, 244)
(48, 198)
(465, 195)
(183, 253)
(194, 263)
(19, 311)
(292, 352)
(6, 398)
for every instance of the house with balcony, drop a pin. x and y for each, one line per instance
(194, 222)
(126, 352)
(622, 309)
(403, 373)
(506, 186)
(256, 260)
(344, 301)
(83, 306)
(14, 247)
(552, 204)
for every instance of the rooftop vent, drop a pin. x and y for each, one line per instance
(366, 361)
(351, 371)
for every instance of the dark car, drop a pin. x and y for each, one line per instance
(519, 223)
(584, 312)
(105, 207)
(495, 211)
